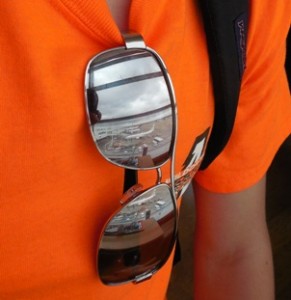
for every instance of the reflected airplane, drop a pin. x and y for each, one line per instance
(140, 134)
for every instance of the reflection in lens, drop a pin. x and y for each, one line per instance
(139, 238)
(130, 108)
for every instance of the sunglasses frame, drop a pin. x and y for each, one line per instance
(135, 41)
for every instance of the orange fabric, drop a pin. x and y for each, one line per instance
(263, 118)
(56, 191)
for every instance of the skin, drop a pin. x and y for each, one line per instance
(120, 10)
(232, 252)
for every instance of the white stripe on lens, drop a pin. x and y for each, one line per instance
(123, 70)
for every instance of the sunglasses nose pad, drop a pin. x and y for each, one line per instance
(137, 240)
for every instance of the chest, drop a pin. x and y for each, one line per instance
(120, 11)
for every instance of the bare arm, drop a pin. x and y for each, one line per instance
(232, 258)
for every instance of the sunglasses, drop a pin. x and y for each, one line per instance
(131, 110)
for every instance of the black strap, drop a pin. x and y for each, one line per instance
(130, 179)
(225, 23)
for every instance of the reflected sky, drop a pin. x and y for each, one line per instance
(133, 98)
(128, 84)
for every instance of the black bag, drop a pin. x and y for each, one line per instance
(225, 23)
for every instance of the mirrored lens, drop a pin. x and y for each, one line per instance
(139, 238)
(130, 108)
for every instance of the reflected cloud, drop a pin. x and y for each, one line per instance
(133, 99)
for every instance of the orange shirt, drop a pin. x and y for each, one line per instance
(56, 191)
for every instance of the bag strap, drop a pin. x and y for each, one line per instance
(225, 23)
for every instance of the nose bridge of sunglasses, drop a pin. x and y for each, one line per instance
(138, 188)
